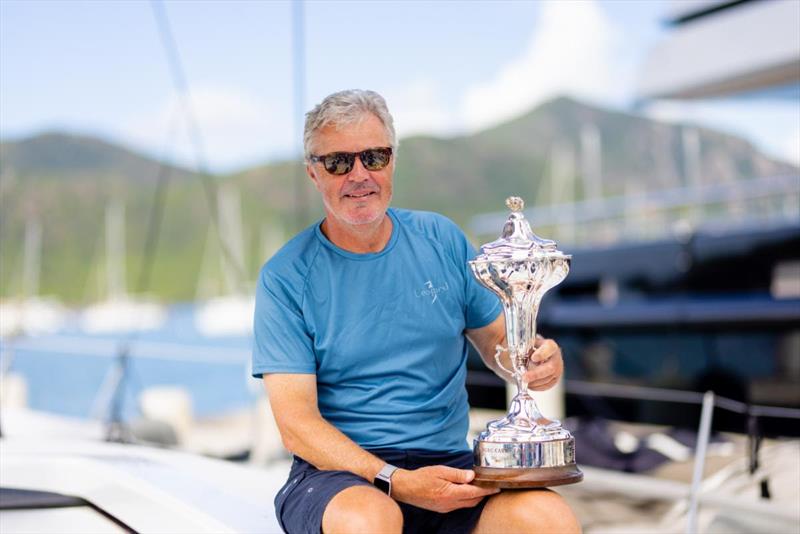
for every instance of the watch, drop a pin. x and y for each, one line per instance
(383, 480)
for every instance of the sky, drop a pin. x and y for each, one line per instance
(445, 68)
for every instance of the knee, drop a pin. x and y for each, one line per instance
(545, 511)
(361, 509)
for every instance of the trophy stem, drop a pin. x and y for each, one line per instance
(525, 413)
(522, 387)
(524, 416)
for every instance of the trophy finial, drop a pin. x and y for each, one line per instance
(515, 203)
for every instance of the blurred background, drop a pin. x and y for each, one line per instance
(150, 164)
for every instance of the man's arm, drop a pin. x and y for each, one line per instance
(293, 398)
(545, 366)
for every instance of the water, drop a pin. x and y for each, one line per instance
(65, 371)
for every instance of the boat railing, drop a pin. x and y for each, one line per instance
(708, 400)
(659, 213)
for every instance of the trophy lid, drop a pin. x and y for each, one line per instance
(517, 241)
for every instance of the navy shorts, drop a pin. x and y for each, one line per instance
(301, 502)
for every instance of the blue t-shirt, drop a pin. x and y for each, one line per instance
(383, 332)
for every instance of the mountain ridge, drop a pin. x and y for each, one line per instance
(65, 181)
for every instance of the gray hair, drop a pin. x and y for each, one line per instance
(347, 107)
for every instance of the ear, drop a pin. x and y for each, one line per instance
(313, 175)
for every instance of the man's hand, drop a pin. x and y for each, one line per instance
(545, 365)
(438, 488)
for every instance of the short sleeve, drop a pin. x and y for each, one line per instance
(483, 306)
(282, 343)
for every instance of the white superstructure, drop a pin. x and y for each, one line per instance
(719, 48)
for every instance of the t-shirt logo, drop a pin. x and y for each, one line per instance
(431, 291)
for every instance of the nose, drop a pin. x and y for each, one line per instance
(359, 173)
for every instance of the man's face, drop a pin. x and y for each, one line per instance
(359, 197)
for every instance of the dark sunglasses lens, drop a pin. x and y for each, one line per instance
(375, 159)
(340, 163)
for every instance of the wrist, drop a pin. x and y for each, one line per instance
(400, 480)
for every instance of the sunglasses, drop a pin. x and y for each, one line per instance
(339, 163)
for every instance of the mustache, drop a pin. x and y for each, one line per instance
(360, 188)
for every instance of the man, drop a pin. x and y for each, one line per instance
(361, 327)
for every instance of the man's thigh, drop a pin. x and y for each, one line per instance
(302, 501)
(539, 510)
(362, 509)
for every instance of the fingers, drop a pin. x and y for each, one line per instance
(457, 476)
(460, 478)
(471, 502)
(544, 385)
(468, 492)
(545, 366)
(440, 488)
(542, 373)
(544, 350)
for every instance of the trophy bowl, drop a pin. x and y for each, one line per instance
(524, 449)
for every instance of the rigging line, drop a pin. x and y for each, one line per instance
(298, 71)
(201, 163)
(156, 216)
(626, 391)
(93, 269)
(121, 369)
(121, 373)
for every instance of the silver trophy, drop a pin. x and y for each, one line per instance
(524, 448)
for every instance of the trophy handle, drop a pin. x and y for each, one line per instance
(499, 349)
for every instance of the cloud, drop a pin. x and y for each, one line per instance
(418, 107)
(236, 129)
(574, 50)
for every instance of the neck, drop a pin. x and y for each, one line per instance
(360, 239)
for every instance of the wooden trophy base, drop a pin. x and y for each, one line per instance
(526, 477)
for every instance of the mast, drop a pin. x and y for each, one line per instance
(299, 72)
(32, 259)
(562, 187)
(115, 250)
(591, 162)
(691, 168)
(230, 232)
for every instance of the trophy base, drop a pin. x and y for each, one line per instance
(526, 464)
(526, 477)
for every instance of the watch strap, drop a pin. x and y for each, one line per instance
(383, 480)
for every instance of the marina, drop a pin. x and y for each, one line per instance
(129, 267)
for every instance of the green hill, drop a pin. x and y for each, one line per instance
(65, 181)
(64, 156)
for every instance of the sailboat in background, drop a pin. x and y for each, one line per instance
(229, 314)
(32, 314)
(120, 312)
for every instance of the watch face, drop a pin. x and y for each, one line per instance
(382, 484)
